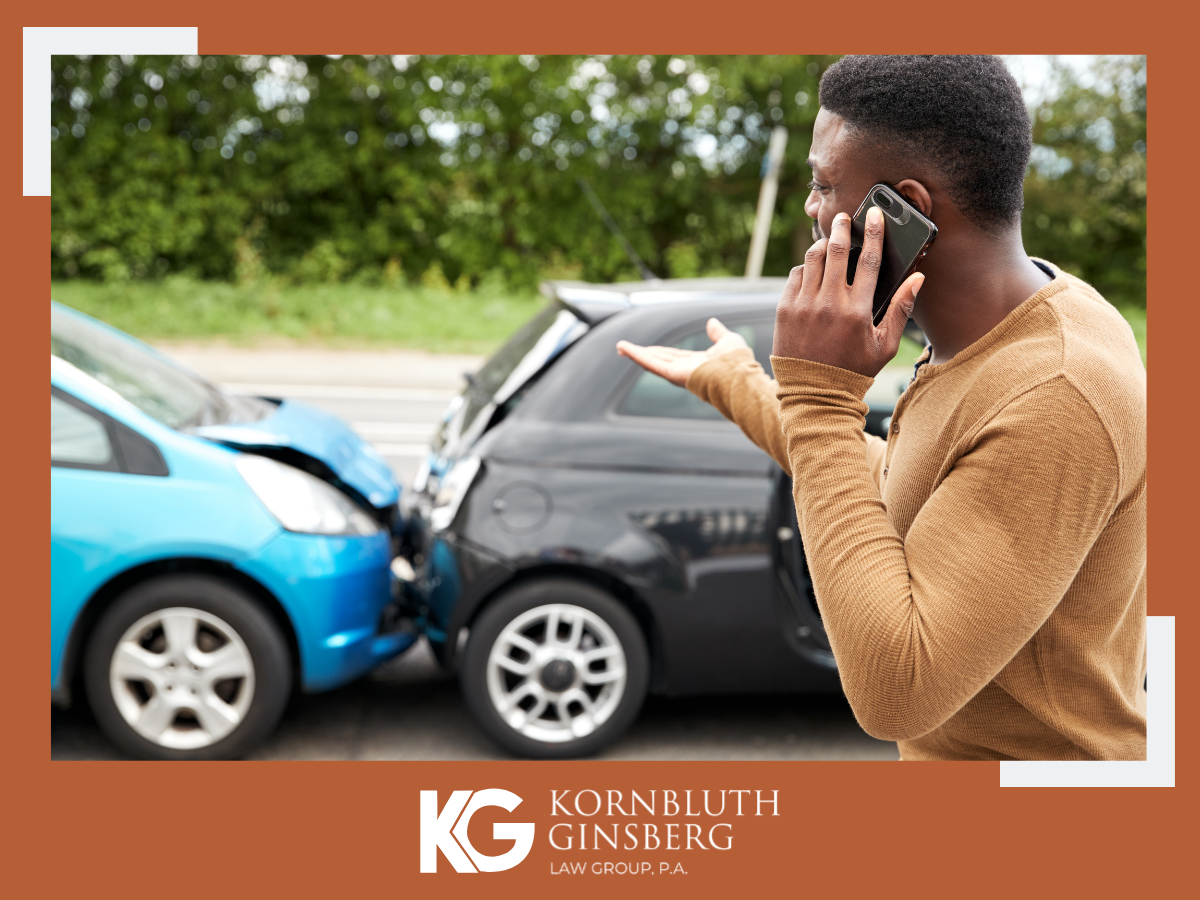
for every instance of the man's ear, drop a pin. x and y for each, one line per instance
(916, 194)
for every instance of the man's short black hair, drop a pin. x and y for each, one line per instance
(964, 116)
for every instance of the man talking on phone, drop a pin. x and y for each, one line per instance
(982, 573)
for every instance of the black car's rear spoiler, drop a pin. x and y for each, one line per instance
(596, 302)
(593, 303)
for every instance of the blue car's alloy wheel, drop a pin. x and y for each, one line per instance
(182, 678)
(187, 667)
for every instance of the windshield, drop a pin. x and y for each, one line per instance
(154, 385)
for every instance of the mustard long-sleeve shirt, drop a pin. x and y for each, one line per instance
(982, 573)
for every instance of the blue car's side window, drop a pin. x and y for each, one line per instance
(78, 438)
(85, 438)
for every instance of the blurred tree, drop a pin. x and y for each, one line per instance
(451, 169)
(327, 167)
(1085, 195)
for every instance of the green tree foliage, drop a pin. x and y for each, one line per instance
(1085, 195)
(332, 168)
(449, 170)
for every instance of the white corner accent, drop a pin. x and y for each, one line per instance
(1158, 770)
(38, 46)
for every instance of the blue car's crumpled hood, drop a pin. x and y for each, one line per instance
(320, 435)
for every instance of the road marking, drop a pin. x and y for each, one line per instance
(394, 429)
(417, 450)
(340, 392)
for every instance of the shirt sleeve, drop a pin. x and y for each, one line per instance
(919, 625)
(736, 385)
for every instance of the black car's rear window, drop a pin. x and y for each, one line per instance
(540, 340)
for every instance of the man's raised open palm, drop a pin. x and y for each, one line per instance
(677, 365)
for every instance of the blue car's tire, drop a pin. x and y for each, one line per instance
(554, 669)
(187, 667)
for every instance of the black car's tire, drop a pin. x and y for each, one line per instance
(203, 672)
(572, 697)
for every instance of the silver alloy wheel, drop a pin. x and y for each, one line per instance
(556, 673)
(182, 678)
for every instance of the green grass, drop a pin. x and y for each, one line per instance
(478, 321)
(179, 308)
(1137, 321)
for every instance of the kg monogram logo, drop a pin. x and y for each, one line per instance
(447, 831)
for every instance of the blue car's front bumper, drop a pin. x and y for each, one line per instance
(334, 590)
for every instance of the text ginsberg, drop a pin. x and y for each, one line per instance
(642, 834)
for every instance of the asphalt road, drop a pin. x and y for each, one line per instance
(410, 708)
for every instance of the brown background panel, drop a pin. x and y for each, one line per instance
(850, 829)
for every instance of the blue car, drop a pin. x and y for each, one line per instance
(209, 553)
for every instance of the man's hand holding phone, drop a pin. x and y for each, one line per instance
(822, 319)
(677, 365)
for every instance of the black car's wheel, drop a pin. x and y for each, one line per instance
(187, 667)
(555, 668)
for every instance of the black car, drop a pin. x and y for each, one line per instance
(584, 532)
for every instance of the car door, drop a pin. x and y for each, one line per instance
(93, 461)
(732, 627)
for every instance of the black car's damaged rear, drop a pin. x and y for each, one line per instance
(584, 532)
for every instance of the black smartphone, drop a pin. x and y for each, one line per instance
(907, 236)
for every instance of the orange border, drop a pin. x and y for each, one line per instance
(306, 829)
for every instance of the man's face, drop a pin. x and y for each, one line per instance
(842, 175)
